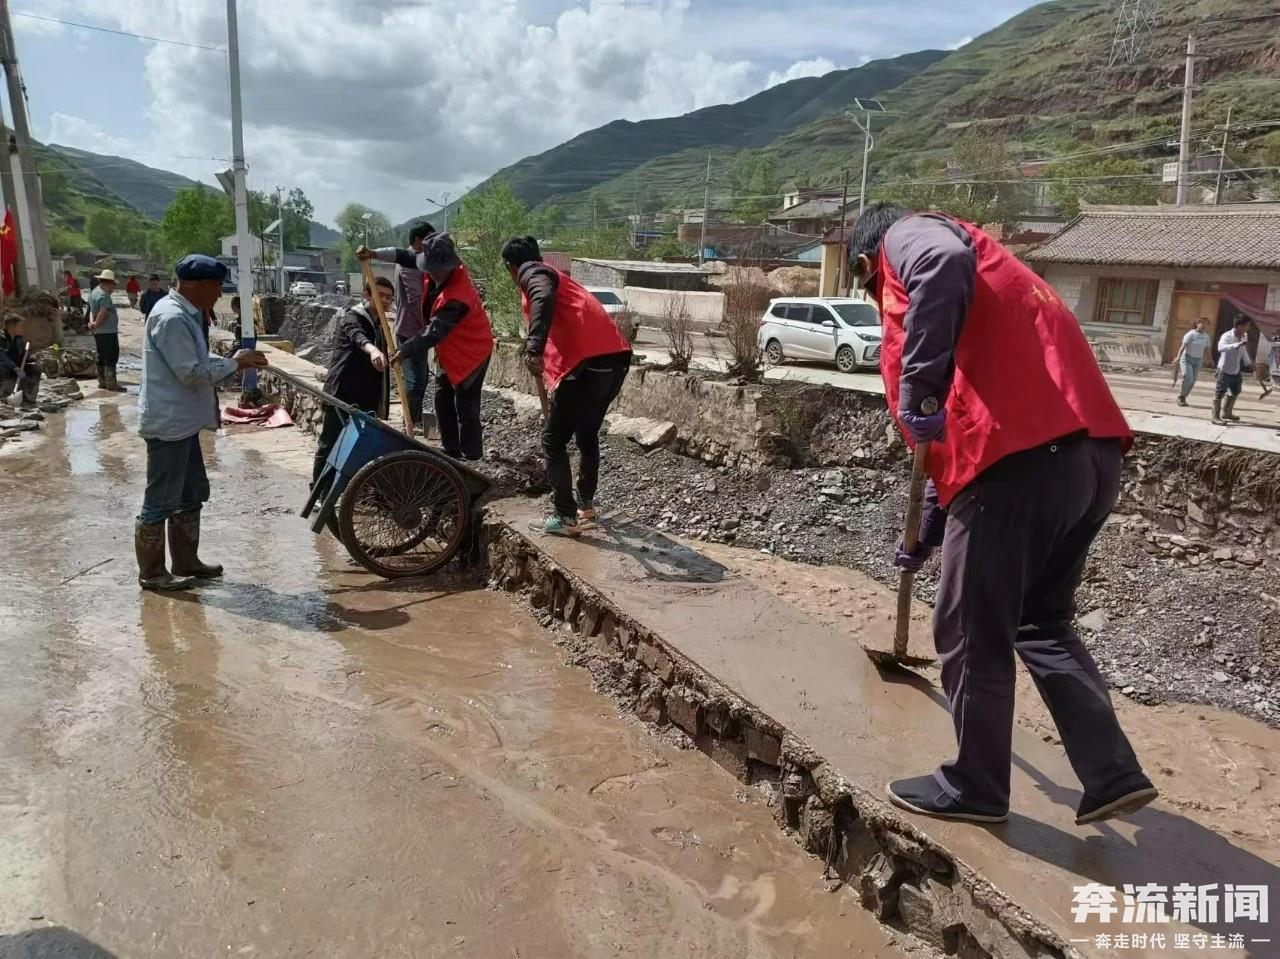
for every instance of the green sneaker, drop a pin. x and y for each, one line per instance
(556, 526)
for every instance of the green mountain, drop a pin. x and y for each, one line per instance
(1040, 84)
(146, 189)
(614, 150)
(76, 182)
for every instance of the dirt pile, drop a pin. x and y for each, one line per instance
(309, 323)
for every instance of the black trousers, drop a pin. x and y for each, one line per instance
(1016, 542)
(577, 410)
(108, 347)
(458, 414)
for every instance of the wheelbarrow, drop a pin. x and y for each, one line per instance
(401, 507)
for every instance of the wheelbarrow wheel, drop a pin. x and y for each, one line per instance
(404, 514)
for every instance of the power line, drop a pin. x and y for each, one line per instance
(120, 33)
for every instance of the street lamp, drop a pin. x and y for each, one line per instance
(868, 106)
(366, 217)
(443, 206)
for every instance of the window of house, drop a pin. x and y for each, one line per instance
(1127, 302)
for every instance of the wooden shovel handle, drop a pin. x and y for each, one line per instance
(910, 541)
(390, 338)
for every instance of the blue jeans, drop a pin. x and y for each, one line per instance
(416, 378)
(1190, 371)
(176, 480)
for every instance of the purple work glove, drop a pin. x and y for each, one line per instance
(924, 427)
(933, 527)
(912, 562)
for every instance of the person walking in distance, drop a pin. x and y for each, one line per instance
(458, 328)
(1191, 357)
(176, 402)
(982, 360)
(104, 324)
(1233, 356)
(573, 345)
(133, 289)
(152, 295)
(357, 368)
(411, 295)
(75, 299)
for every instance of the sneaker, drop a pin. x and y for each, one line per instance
(1130, 800)
(925, 796)
(1182, 401)
(556, 526)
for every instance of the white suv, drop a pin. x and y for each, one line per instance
(843, 331)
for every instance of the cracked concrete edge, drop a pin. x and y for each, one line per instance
(901, 875)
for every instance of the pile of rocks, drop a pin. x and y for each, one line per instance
(55, 396)
(1192, 553)
(309, 324)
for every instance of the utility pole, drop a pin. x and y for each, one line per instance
(29, 183)
(244, 241)
(844, 255)
(11, 203)
(706, 210)
(1222, 160)
(1184, 138)
(280, 214)
(1133, 30)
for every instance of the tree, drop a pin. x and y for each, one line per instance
(669, 246)
(485, 221)
(755, 184)
(981, 184)
(1105, 180)
(116, 231)
(195, 222)
(361, 225)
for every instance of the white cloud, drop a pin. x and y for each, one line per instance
(32, 27)
(74, 131)
(391, 103)
(801, 68)
(963, 41)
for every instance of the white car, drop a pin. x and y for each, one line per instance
(838, 330)
(303, 288)
(610, 299)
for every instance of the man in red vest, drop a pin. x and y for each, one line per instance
(459, 329)
(1025, 456)
(574, 346)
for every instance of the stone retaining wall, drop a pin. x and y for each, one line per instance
(896, 872)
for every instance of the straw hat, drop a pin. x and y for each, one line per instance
(107, 275)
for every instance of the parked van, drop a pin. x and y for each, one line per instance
(842, 331)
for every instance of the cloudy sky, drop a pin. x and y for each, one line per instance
(390, 103)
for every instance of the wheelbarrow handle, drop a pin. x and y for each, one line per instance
(319, 394)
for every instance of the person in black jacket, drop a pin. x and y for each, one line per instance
(152, 295)
(357, 368)
(18, 368)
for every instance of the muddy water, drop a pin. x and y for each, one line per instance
(304, 760)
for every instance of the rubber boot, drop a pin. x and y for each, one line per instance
(148, 546)
(184, 544)
(1228, 410)
(102, 377)
(112, 383)
(1217, 409)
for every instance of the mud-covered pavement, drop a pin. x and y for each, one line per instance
(304, 760)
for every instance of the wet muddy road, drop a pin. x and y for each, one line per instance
(305, 761)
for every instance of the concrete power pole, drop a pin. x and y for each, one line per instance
(27, 186)
(1184, 138)
(1222, 160)
(244, 240)
(280, 214)
(706, 207)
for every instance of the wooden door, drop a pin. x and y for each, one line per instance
(1187, 308)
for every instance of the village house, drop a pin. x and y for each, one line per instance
(1138, 277)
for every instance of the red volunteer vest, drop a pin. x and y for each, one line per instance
(1024, 372)
(580, 329)
(470, 342)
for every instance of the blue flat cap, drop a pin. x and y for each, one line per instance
(197, 266)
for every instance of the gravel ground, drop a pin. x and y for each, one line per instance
(1159, 629)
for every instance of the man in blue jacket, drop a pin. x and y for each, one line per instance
(176, 401)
